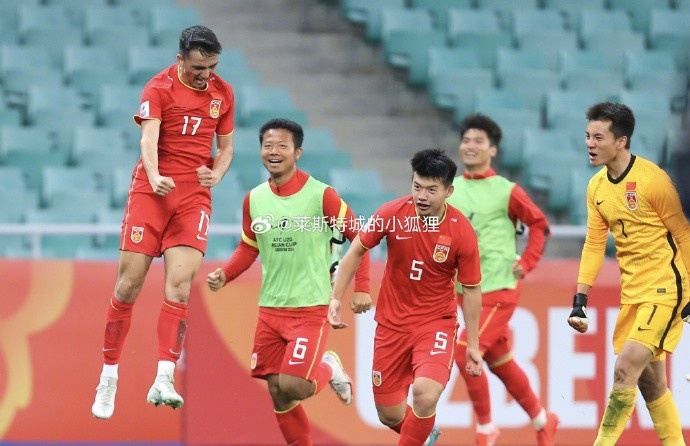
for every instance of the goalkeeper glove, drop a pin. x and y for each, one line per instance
(578, 316)
(685, 314)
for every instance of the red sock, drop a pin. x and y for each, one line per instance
(518, 386)
(118, 318)
(294, 425)
(324, 372)
(416, 430)
(477, 388)
(399, 426)
(172, 326)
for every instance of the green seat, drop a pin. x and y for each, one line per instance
(579, 179)
(142, 10)
(571, 9)
(407, 49)
(442, 61)
(220, 246)
(454, 90)
(677, 141)
(147, 61)
(462, 21)
(648, 101)
(30, 149)
(439, 9)
(537, 142)
(117, 105)
(87, 68)
(656, 71)
(58, 105)
(570, 101)
(513, 123)
(58, 179)
(319, 163)
(109, 217)
(17, 199)
(625, 41)
(580, 69)
(227, 202)
(593, 23)
(504, 9)
(61, 245)
(251, 101)
(246, 140)
(120, 183)
(486, 44)
(32, 18)
(317, 139)
(361, 11)
(526, 21)
(640, 11)
(549, 43)
(259, 117)
(352, 180)
(550, 176)
(166, 23)
(668, 31)
(405, 32)
(88, 140)
(364, 205)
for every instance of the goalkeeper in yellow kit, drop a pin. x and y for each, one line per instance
(637, 202)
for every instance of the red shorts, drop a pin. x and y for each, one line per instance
(495, 336)
(289, 341)
(153, 223)
(400, 357)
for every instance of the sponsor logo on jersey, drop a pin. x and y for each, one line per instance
(631, 200)
(215, 108)
(376, 378)
(252, 364)
(442, 249)
(137, 234)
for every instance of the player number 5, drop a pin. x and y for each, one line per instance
(416, 270)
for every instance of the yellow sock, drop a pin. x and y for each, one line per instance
(616, 416)
(666, 420)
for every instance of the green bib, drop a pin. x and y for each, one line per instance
(485, 203)
(294, 245)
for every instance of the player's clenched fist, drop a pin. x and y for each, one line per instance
(578, 316)
(216, 279)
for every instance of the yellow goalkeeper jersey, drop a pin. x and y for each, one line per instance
(642, 211)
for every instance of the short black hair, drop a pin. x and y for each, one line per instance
(621, 117)
(286, 124)
(434, 163)
(199, 38)
(482, 122)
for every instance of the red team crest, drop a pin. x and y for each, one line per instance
(442, 249)
(215, 108)
(631, 195)
(137, 234)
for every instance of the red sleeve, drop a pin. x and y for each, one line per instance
(335, 209)
(247, 250)
(521, 207)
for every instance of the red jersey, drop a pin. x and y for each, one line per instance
(418, 285)
(189, 118)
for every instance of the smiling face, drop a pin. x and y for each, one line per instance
(429, 195)
(279, 154)
(603, 146)
(196, 69)
(476, 151)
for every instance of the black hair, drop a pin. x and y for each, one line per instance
(621, 117)
(434, 163)
(286, 124)
(482, 122)
(199, 38)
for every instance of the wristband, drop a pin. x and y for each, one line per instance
(580, 300)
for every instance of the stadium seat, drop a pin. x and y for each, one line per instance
(639, 11)
(57, 105)
(249, 168)
(117, 105)
(439, 9)
(259, 117)
(462, 21)
(444, 60)
(407, 49)
(250, 101)
(147, 61)
(533, 83)
(53, 40)
(57, 180)
(513, 123)
(485, 44)
(21, 67)
(11, 178)
(590, 68)
(364, 205)
(16, 201)
(319, 163)
(571, 103)
(488, 100)
(119, 186)
(89, 139)
(537, 142)
(117, 41)
(649, 101)
(32, 18)
(550, 175)
(220, 246)
(246, 140)
(548, 42)
(360, 12)
(677, 142)
(166, 23)
(578, 181)
(142, 10)
(87, 68)
(352, 180)
(9, 115)
(227, 203)
(593, 23)
(61, 245)
(454, 90)
(669, 31)
(625, 41)
(504, 9)
(316, 139)
(656, 71)
(238, 76)
(30, 149)
(571, 9)
(109, 217)
(526, 21)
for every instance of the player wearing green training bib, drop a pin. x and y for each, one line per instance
(289, 221)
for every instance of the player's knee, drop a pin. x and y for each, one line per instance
(127, 290)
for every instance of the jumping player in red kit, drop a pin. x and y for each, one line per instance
(168, 209)
(429, 243)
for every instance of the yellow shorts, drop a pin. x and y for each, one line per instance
(656, 325)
